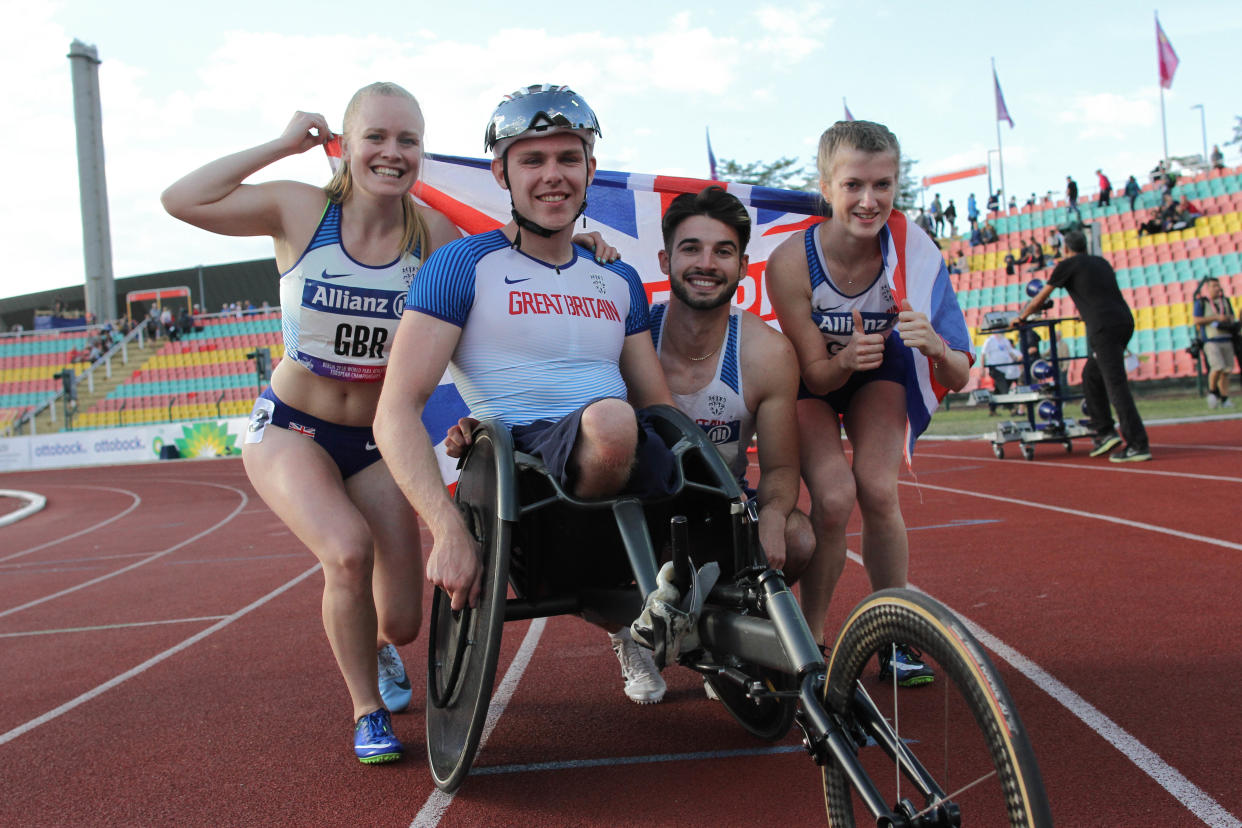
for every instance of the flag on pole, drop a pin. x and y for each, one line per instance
(1166, 57)
(849, 116)
(711, 156)
(1002, 111)
(626, 209)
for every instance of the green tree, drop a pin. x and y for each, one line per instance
(788, 174)
(783, 173)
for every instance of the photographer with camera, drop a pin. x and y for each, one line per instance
(1214, 316)
(1092, 284)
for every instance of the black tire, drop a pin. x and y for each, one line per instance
(999, 451)
(963, 727)
(464, 646)
(1028, 452)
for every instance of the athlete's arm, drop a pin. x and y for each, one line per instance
(420, 352)
(769, 368)
(441, 229)
(641, 370)
(1036, 303)
(214, 198)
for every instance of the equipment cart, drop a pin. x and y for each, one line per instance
(1044, 393)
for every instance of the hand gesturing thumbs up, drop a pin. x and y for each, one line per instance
(865, 351)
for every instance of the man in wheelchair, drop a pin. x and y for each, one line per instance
(536, 334)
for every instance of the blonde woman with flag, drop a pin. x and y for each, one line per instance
(864, 296)
(346, 253)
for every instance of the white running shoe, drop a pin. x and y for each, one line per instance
(643, 682)
(1228, 403)
(1212, 400)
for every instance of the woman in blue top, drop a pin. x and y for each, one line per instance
(346, 253)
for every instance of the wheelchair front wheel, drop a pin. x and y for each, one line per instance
(464, 646)
(953, 752)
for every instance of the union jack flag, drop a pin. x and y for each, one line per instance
(626, 208)
(305, 431)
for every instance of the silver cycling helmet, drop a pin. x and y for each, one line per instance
(542, 108)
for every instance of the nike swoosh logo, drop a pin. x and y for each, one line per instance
(509, 281)
(327, 275)
(371, 446)
(404, 684)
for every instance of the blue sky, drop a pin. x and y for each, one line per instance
(183, 84)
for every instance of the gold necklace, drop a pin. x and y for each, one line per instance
(705, 356)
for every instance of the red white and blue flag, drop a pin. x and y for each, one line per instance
(626, 208)
(1002, 111)
(1165, 56)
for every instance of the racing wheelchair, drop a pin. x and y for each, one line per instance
(937, 756)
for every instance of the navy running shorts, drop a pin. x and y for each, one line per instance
(655, 472)
(892, 368)
(352, 448)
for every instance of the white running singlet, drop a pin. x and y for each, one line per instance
(720, 406)
(339, 316)
(832, 310)
(538, 341)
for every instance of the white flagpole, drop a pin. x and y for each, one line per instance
(1164, 129)
(1000, 156)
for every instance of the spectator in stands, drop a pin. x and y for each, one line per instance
(937, 215)
(988, 233)
(334, 490)
(962, 263)
(1071, 195)
(994, 202)
(923, 220)
(1035, 252)
(1213, 314)
(1030, 202)
(972, 212)
(1186, 213)
(1218, 158)
(1132, 191)
(1161, 218)
(1092, 285)
(950, 217)
(1011, 264)
(1013, 203)
(976, 236)
(1055, 240)
(1106, 189)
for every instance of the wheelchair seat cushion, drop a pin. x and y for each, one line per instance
(552, 441)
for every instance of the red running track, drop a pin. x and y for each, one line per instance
(164, 661)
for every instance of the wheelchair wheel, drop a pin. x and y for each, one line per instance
(962, 731)
(464, 646)
(767, 717)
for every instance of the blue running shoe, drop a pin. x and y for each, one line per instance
(394, 685)
(908, 664)
(374, 741)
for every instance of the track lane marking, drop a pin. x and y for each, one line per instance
(1134, 524)
(87, 530)
(438, 802)
(99, 690)
(122, 626)
(146, 560)
(1128, 468)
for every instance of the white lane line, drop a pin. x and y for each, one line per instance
(433, 809)
(1128, 468)
(145, 560)
(1201, 804)
(87, 530)
(34, 503)
(1133, 524)
(151, 662)
(112, 626)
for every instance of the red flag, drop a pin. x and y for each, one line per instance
(1002, 111)
(1166, 56)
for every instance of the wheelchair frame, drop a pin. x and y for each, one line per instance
(756, 651)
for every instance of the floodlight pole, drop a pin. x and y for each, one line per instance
(92, 186)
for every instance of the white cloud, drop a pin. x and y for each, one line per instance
(790, 35)
(1109, 114)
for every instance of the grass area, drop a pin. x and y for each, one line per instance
(962, 419)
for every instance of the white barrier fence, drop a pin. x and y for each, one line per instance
(125, 444)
